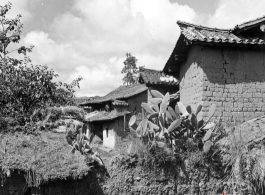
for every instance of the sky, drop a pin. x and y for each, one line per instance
(89, 38)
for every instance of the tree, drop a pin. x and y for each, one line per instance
(130, 70)
(25, 87)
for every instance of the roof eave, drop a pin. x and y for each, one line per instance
(247, 25)
(178, 55)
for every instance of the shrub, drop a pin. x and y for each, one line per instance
(25, 87)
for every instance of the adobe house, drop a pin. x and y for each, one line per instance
(109, 126)
(221, 66)
(111, 113)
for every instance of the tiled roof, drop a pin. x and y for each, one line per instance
(250, 24)
(119, 103)
(196, 33)
(149, 76)
(121, 92)
(103, 116)
(246, 34)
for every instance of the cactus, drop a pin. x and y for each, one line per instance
(174, 125)
(77, 139)
(156, 100)
(207, 146)
(207, 136)
(147, 108)
(79, 142)
(165, 124)
(132, 120)
(157, 94)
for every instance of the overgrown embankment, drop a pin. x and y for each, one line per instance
(135, 174)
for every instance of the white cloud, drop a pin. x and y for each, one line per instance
(229, 13)
(18, 7)
(91, 40)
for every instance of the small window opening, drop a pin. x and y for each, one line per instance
(107, 132)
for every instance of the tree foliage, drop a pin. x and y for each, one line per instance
(25, 87)
(130, 70)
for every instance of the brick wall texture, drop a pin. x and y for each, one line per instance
(231, 78)
(135, 101)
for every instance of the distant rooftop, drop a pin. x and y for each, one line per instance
(104, 116)
(156, 77)
(121, 92)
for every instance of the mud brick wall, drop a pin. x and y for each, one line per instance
(191, 79)
(121, 134)
(231, 78)
(135, 101)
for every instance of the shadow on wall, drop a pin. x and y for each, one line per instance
(16, 184)
(225, 65)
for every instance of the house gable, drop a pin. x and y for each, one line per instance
(248, 34)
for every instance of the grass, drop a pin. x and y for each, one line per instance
(244, 166)
(43, 157)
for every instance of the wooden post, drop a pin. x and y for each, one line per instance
(124, 118)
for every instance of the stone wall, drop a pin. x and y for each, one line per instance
(231, 78)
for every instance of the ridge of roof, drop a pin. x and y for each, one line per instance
(205, 35)
(119, 93)
(142, 69)
(156, 77)
(104, 116)
(187, 24)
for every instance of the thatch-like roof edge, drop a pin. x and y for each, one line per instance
(44, 157)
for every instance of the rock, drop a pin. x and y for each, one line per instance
(60, 129)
